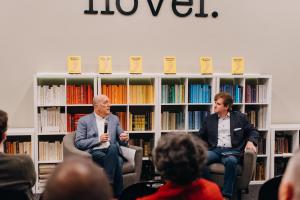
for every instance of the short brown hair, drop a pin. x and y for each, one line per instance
(3, 123)
(227, 99)
(180, 157)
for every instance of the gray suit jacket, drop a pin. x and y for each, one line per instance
(87, 136)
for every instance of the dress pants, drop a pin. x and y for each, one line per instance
(230, 162)
(108, 158)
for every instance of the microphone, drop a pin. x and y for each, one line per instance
(105, 126)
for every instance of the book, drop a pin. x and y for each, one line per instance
(136, 64)
(105, 64)
(238, 65)
(206, 66)
(170, 65)
(74, 64)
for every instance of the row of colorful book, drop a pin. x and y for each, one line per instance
(199, 93)
(196, 119)
(236, 91)
(50, 150)
(51, 95)
(141, 122)
(80, 94)
(172, 93)
(256, 93)
(117, 94)
(172, 120)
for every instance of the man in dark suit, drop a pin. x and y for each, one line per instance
(100, 134)
(227, 133)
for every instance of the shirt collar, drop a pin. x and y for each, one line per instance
(227, 116)
(98, 116)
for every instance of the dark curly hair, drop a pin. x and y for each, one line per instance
(3, 123)
(180, 157)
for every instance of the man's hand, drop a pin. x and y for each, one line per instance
(104, 138)
(250, 146)
(124, 137)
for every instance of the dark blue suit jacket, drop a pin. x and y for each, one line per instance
(241, 131)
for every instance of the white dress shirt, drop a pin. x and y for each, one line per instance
(100, 126)
(224, 139)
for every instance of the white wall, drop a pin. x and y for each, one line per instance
(37, 36)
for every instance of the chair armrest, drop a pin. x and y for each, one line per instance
(249, 164)
(69, 148)
(134, 154)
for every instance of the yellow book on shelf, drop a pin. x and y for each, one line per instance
(170, 65)
(206, 66)
(136, 63)
(74, 64)
(238, 65)
(105, 64)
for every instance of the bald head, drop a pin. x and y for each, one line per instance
(101, 105)
(78, 179)
(99, 98)
(290, 184)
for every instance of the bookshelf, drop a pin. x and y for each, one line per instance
(284, 142)
(148, 105)
(184, 102)
(60, 100)
(19, 141)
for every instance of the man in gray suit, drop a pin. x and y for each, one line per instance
(100, 134)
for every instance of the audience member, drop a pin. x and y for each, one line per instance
(17, 174)
(289, 188)
(77, 179)
(179, 158)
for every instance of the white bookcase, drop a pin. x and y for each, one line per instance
(148, 106)
(284, 142)
(55, 106)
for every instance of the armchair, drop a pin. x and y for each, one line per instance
(244, 172)
(131, 169)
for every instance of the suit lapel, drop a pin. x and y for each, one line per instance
(215, 126)
(108, 118)
(94, 123)
(232, 120)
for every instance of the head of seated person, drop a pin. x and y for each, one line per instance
(3, 125)
(77, 179)
(180, 157)
(289, 188)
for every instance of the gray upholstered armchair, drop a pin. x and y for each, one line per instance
(131, 169)
(244, 172)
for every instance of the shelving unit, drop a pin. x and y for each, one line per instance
(284, 142)
(19, 141)
(148, 106)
